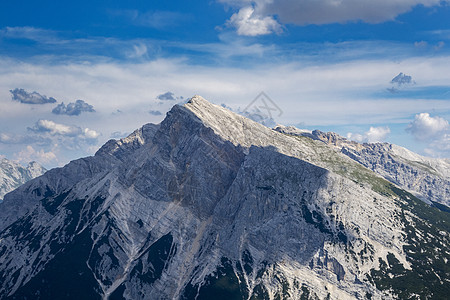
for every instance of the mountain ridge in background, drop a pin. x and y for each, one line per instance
(13, 174)
(427, 178)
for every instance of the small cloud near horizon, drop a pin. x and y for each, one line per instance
(433, 130)
(73, 108)
(373, 135)
(25, 97)
(167, 96)
(155, 112)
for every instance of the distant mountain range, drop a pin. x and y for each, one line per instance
(12, 174)
(427, 178)
(211, 205)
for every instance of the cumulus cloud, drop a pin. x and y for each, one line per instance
(30, 98)
(426, 128)
(73, 108)
(248, 23)
(304, 12)
(435, 131)
(47, 126)
(400, 81)
(71, 135)
(377, 134)
(30, 154)
(374, 135)
(90, 134)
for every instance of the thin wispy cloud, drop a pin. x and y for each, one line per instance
(300, 93)
(138, 51)
(158, 19)
(316, 60)
(17, 139)
(30, 33)
(402, 79)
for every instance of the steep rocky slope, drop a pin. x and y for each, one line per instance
(210, 204)
(12, 175)
(427, 178)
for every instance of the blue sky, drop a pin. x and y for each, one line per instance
(327, 64)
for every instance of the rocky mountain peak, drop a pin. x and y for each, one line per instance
(211, 204)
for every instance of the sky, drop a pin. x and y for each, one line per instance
(76, 74)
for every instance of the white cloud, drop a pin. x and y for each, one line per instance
(374, 135)
(377, 134)
(303, 12)
(248, 23)
(55, 128)
(8, 138)
(351, 95)
(424, 127)
(42, 157)
(90, 134)
(435, 131)
(68, 136)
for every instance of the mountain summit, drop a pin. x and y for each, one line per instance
(211, 205)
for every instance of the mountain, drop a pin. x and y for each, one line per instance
(427, 178)
(211, 205)
(13, 175)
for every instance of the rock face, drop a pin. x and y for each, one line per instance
(427, 178)
(210, 205)
(12, 175)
